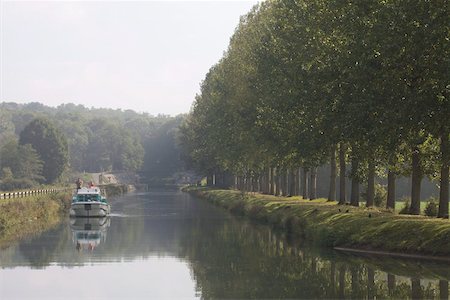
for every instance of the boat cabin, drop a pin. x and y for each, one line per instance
(88, 195)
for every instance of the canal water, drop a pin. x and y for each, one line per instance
(167, 244)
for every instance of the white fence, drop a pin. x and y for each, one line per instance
(29, 193)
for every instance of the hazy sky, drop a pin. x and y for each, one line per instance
(147, 56)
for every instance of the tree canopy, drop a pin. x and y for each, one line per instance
(50, 144)
(300, 78)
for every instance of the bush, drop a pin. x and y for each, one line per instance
(431, 208)
(379, 197)
(406, 207)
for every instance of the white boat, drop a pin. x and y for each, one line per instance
(88, 233)
(89, 202)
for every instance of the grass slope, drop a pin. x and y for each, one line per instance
(21, 217)
(332, 225)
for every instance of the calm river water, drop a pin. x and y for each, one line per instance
(167, 244)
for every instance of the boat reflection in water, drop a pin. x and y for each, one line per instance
(88, 233)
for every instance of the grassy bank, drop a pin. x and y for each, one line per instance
(116, 189)
(332, 225)
(23, 217)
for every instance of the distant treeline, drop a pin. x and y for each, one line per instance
(41, 144)
(345, 83)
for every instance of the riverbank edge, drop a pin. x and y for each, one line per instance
(331, 225)
(29, 216)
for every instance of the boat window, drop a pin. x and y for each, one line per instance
(87, 198)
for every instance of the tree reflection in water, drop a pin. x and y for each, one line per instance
(233, 258)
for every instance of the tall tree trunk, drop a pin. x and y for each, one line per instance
(277, 181)
(371, 183)
(209, 180)
(354, 197)
(229, 179)
(265, 182)
(332, 190)
(283, 182)
(271, 181)
(241, 183)
(313, 184)
(342, 171)
(390, 202)
(262, 183)
(291, 178)
(298, 183)
(443, 192)
(305, 183)
(416, 180)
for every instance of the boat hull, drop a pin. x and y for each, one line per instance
(90, 209)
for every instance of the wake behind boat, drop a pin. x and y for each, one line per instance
(89, 202)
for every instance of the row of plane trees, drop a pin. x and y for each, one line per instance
(306, 83)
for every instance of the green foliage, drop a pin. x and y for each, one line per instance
(431, 208)
(21, 166)
(100, 139)
(112, 147)
(50, 144)
(301, 76)
(406, 206)
(380, 195)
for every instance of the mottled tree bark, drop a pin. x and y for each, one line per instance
(283, 182)
(390, 203)
(291, 181)
(313, 184)
(332, 190)
(267, 181)
(271, 181)
(342, 171)
(305, 183)
(277, 181)
(209, 180)
(416, 180)
(354, 197)
(371, 183)
(241, 183)
(443, 192)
